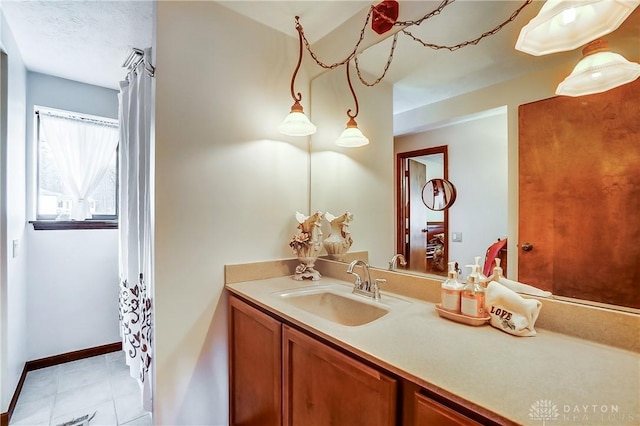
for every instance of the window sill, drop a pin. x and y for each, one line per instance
(48, 225)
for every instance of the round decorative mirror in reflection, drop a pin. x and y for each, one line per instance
(438, 194)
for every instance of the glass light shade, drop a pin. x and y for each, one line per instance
(568, 24)
(297, 124)
(598, 72)
(352, 137)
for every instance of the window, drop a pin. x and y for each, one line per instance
(77, 167)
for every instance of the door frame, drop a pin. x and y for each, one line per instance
(401, 195)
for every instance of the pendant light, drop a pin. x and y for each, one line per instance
(297, 123)
(352, 137)
(598, 71)
(568, 24)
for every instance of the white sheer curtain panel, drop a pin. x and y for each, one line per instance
(136, 226)
(82, 151)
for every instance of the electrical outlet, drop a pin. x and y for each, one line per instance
(456, 237)
(16, 247)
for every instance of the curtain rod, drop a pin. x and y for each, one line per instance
(135, 57)
(69, 116)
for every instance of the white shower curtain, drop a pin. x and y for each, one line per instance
(136, 226)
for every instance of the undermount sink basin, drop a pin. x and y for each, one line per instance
(338, 305)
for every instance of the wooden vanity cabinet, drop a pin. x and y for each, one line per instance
(323, 386)
(255, 366)
(279, 375)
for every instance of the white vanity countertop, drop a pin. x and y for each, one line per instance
(588, 383)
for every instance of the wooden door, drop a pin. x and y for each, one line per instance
(579, 192)
(417, 217)
(255, 366)
(430, 413)
(324, 387)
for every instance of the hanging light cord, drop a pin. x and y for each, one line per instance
(386, 67)
(355, 98)
(431, 14)
(476, 40)
(295, 72)
(353, 54)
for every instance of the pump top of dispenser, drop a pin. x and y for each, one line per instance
(497, 270)
(452, 270)
(481, 277)
(472, 277)
(473, 283)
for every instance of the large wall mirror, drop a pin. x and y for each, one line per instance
(478, 125)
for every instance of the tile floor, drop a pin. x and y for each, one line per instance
(101, 384)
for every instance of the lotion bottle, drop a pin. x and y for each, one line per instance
(472, 300)
(451, 290)
(497, 270)
(482, 278)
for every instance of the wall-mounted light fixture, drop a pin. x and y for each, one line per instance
(598, 71)
(352, 136)
(563, 25)
(297, 123)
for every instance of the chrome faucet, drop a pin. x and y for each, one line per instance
(393, 264)
(366, 287)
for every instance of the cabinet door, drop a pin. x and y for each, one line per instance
(431, 413)
(325, 387)
(255, 366)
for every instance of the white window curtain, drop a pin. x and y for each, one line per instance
(135, 228)
(82, 150)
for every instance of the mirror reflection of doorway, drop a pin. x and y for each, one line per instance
(421, 232)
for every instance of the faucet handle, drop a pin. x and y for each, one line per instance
(358, 282)
(375, 288)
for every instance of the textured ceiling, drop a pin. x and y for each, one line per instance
(85, 41)
(319, 17)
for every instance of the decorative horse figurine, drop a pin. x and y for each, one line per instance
(307, 244)
(339, 241)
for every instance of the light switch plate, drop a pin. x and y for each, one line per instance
(16, 247)
(456, 237)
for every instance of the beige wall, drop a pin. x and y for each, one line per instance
(227, 189)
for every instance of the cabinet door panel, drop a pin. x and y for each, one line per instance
(255, 366)
(431, 413)
(324, 387)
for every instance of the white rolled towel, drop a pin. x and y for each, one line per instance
(510, 312)
(519, 287)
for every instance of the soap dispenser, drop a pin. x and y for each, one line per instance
(497, 270)
(482, 278)
(472, 298)
(451, 290)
